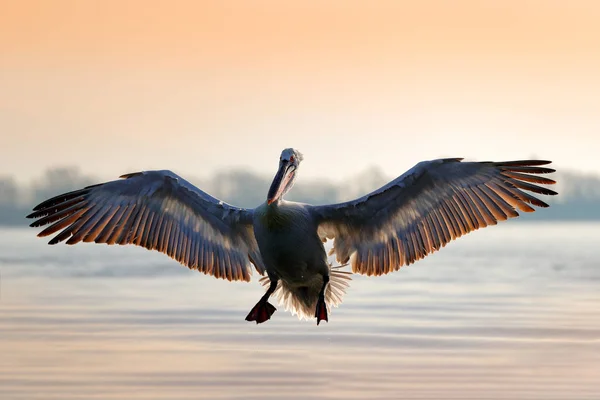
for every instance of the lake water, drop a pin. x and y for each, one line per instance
(508, 312)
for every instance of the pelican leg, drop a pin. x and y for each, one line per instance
(321, 311)
(263, 310)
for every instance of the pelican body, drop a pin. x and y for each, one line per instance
(409, 218)
(292, 252)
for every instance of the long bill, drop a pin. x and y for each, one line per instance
(280, 182)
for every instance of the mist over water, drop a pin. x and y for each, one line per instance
(511, 311)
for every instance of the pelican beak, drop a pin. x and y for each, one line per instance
(280, 182)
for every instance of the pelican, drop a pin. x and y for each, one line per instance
(407, 219)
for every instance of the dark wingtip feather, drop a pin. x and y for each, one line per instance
(528, 169)
(523, 163)
(61, 198)
(35, 224)
(528, 177)
(532, 188)
(58, 238)
(542, 204)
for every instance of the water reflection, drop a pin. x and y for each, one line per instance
(472, 322)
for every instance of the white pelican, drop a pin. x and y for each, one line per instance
(407, 219)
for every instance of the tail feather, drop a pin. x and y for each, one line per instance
(302, 301)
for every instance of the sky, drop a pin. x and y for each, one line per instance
(202, 86)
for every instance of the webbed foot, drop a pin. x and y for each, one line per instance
(321, 311)
(261, 312)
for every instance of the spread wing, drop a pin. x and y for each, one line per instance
(425, 208)
(159, 211)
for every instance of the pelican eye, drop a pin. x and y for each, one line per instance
(292, 159)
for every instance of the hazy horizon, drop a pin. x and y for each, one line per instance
(578, 194)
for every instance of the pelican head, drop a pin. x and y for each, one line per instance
(286, 174)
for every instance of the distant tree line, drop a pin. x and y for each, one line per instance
(578, 199)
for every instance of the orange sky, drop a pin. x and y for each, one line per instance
(197, 86)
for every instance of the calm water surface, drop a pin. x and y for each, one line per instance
(473, 321)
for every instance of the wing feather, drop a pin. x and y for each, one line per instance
(160, 211)
(432, 204)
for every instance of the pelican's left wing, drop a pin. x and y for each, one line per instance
(425, 208)
(160, 211)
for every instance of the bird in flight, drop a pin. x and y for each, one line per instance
(407, 219)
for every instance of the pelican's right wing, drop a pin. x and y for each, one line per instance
(159, 211)
(425, 208)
